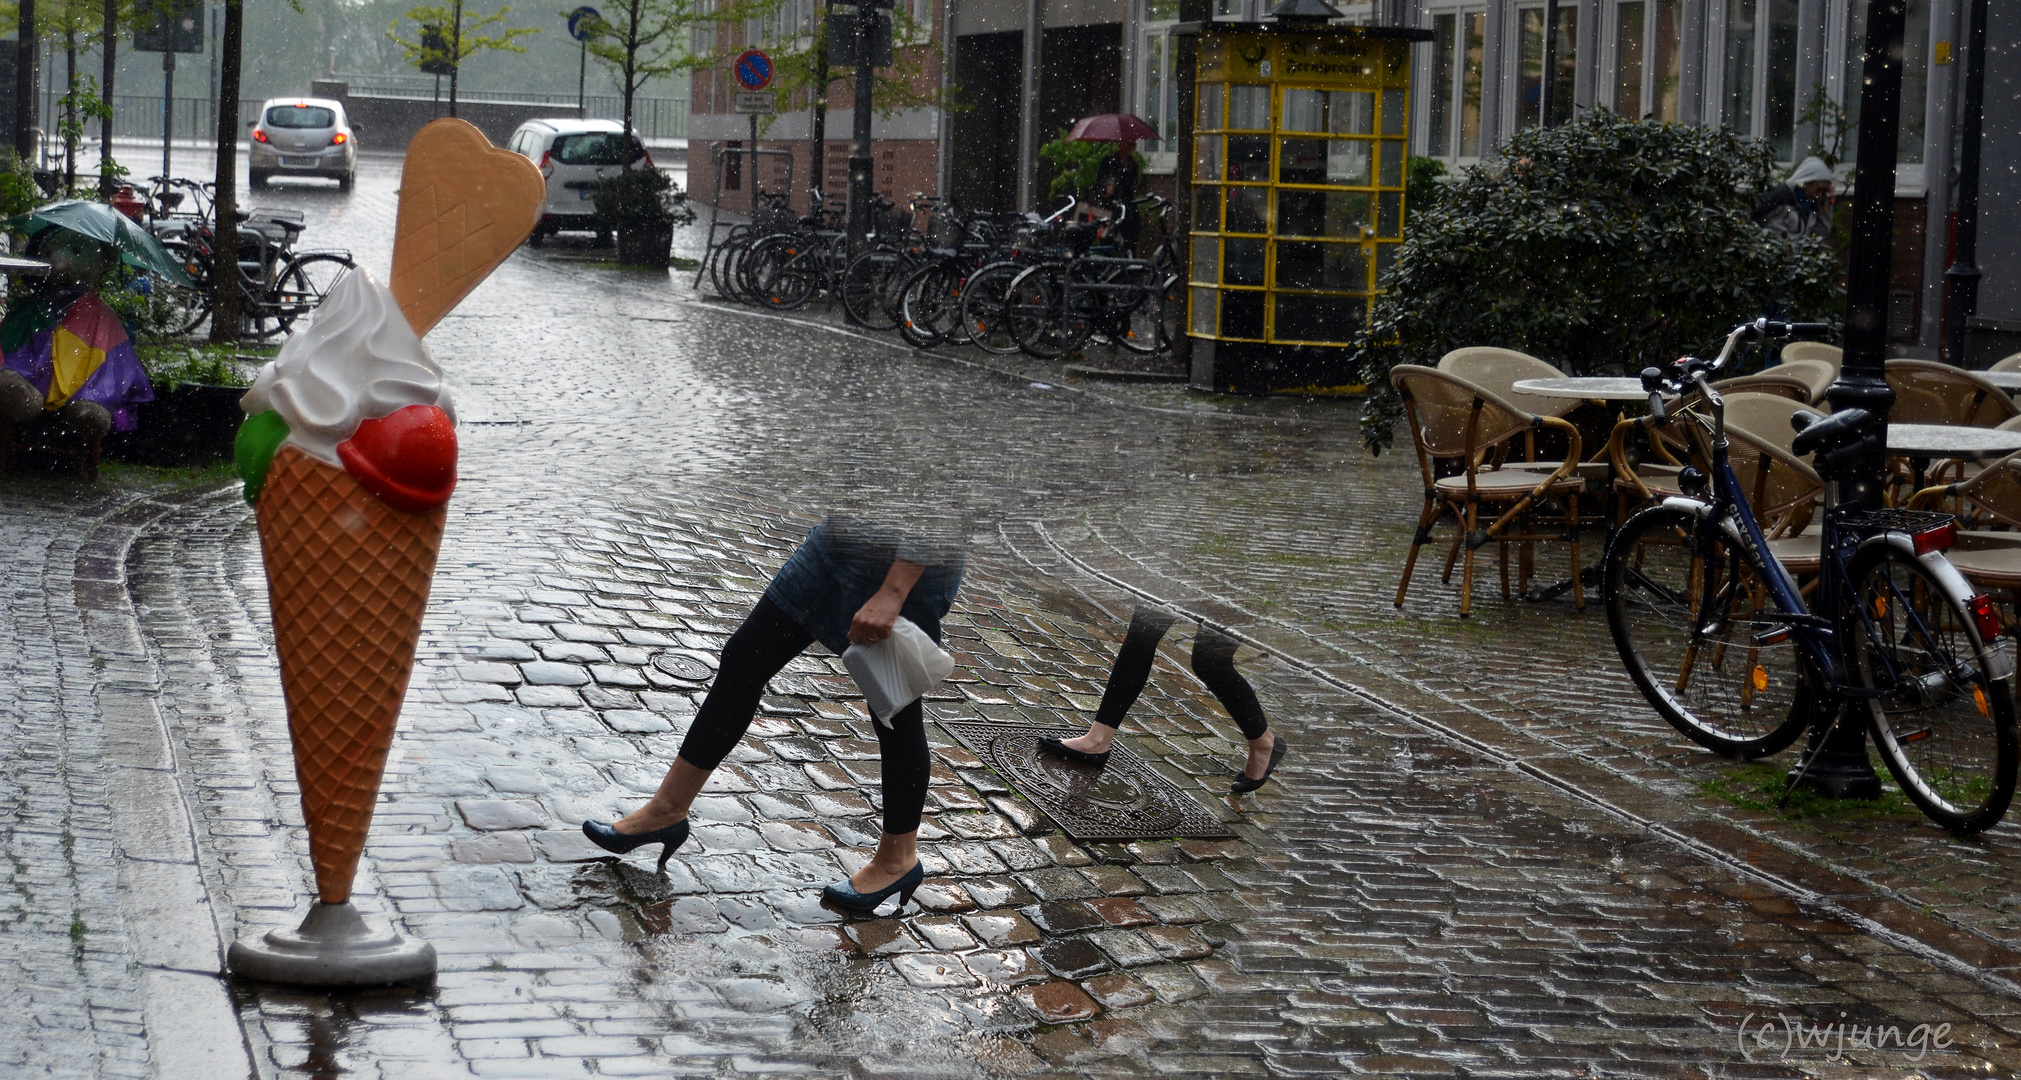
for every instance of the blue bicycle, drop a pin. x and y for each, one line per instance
(1716, 633)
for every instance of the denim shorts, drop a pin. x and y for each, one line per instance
(829, 579)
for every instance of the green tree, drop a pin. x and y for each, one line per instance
(805, 75)
(642, 40)
(445, 36)
(1605, 245)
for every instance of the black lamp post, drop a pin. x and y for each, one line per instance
(1962, 279)
(1840, 767)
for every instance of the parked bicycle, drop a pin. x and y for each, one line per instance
(277, 284)
(1717, 635)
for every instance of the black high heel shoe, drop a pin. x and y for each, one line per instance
(845, 895)
(1059, 749)
(608, 838)
(1243, 784)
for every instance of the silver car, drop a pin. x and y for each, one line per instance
(302, 137)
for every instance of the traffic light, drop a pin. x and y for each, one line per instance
(439, 58)
(170, 26)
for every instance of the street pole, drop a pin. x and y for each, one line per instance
(1961, 281)
(860, 161)
(167, 105)
(582, 82)
(456, 56)
(1840, 767)
(24, 85)
(751, 173)
(110, 55)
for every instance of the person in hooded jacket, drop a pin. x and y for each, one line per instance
(1801, 207)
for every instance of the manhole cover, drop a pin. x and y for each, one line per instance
(1127, 800)
(682, 667)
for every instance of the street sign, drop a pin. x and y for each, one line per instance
(758, 102)
(842, 40)
(754, 71)
(435, 49)
(582, 22)
(174, 26)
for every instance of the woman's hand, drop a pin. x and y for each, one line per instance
(874, 619)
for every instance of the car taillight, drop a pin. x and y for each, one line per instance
(1936, 539)
(1986, 615)
(339, 139)
(547, 163)
(259, 136)
(648, 156)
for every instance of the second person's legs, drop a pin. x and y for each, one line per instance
(1126, 679)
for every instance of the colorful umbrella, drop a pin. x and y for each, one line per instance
(1111, 127)
(100, 222)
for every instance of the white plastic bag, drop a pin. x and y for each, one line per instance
(897, 671)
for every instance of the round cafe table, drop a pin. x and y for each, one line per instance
(2009, 381)
(1585, 388)
(1924, 443)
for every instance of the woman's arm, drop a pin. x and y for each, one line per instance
(873, 620)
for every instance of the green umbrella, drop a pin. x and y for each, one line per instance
(100, 222)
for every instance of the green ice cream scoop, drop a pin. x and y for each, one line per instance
(259, 437)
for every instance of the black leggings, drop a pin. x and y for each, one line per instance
(1213, 661)
(767, 641)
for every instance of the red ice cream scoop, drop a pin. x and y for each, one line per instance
(407, 459)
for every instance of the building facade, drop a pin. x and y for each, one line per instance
(1787, 71)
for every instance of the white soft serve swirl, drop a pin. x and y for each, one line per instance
(359, 360)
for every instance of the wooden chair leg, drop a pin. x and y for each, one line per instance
(1467, 574)
(1502, 558)
(1425, 520)
(1453, 549)
(1572, 530)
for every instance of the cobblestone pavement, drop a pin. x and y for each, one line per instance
(1423, 894)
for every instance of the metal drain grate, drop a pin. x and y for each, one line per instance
(1126, 800)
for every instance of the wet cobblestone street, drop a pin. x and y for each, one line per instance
(1483, 858)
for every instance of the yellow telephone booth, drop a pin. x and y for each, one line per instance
(1300, 135)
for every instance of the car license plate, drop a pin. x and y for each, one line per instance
(586, 194)
(298, 162)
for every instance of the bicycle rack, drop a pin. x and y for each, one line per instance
(719, 156)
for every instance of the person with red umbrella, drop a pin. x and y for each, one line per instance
(1116, 177)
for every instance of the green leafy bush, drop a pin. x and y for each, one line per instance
(1075, 165)
(1605, 245)
(18, 191)
(635, 197)
(169, 365)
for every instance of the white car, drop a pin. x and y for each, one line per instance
(302, 137)
(574, 154)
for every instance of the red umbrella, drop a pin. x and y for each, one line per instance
(1111, 127)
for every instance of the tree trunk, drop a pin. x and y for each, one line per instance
(225, 258)
(110, 47)
(70, 125)
(455, 55)
(817, 132)
(631, 63)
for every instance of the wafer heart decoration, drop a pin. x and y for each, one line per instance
(464, 206)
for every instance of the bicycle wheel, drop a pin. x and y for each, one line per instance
(796, 281)
(723, 266)
(1943, 725)
(1140, 329)
(1688, 609)
(931, 293)
(863, 287)
(1033, 305)
(1171, 312)
(310, 280)
(983, 314)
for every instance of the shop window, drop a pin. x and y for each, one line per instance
(1563, 60)
(1647, 64)
(1758, 95)
(1455, 86)
(1157, 91)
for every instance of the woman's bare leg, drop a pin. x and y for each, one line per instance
(897, 853)
(669, 804)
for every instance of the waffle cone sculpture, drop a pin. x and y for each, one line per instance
(347, 578)
(349, 456)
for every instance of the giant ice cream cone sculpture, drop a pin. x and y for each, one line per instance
(349, 456)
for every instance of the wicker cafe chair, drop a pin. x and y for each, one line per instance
(1988, 505)
(1773, 382)
(1782, 488)
(1463, 425)
(1927, 392)
(1817, 373)
(1497, 371)
(1815, 350)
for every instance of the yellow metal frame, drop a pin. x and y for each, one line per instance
(1233, 59)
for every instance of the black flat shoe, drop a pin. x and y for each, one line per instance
(1059, 749)
(1244, 784)
(608, 838)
